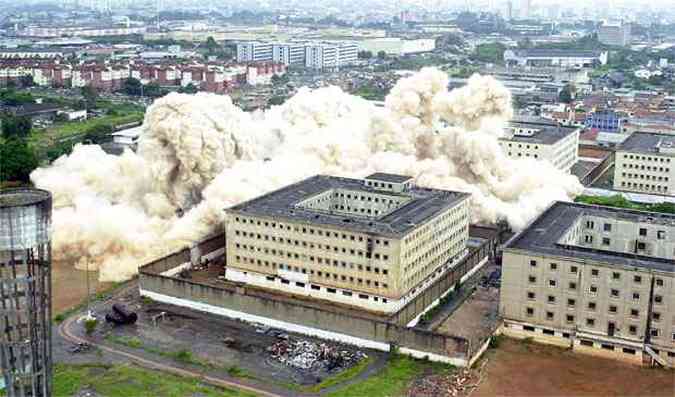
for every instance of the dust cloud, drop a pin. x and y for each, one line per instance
(199, 154)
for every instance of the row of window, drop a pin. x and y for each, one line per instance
(646, 167)
(318, 260)
(329, 290)
(305, 230)
(645, 187)
(318, 273)
(646, 158)
(647, 177)
(592, 306)
(592, 289)
(643, 231)
(310, 245)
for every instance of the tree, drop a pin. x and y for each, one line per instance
(16, 126)
(211, 44)
(90, 94)
(153, 90)
(26, 80)
(365, 54)
(132, 86)
(12, 98)
(567, 94)
(98, 133)
(189, 89)
(276, 100)
(382, 55)
(17, 160)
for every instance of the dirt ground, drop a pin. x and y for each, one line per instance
(526, 369)
(69, 286)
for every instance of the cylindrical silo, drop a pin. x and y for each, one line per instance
(25, 291)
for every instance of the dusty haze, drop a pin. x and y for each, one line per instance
(201, 153)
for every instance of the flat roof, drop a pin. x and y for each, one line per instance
(549, 131)
(280, 204)
(543, 234)
(384, 177)
(646, 142)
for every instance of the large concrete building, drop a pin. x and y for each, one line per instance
(555, 58)
(542, 139)
(600, 280)
(310, 54)
(374, 243)
(615, 34)
(645, 163)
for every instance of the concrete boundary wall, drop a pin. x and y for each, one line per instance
(157, 282)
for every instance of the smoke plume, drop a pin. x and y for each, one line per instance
(199, 154)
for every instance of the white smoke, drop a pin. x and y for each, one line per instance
(200, 154)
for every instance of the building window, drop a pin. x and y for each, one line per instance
(632, 329)
(573, 285)
(551, 299)
(643, 232)
(530, 312)
(607, 227)
(549, 316)
(595, 272)
(591, 306)
(532, 279)
(554, 266)
(655, 332)
(659, 282)
(571, 302)
(612, 309)
(593, 289)
(533, 263)
(573, 269)
(590, 322)
(616, 276)
(636, 296)
(637, 279)
(530, 295)
(658, 299)
(570, 318)
(614, 293)
(605, 241)
(552, 283)
(656, 316)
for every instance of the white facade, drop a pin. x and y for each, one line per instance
(398, 46)
(562, 153)
(652, 173)
(254, 51)
(616, 34)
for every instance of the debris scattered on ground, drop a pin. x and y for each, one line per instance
(310, 356)
(81, 347)
(460, 383)
(120, 315)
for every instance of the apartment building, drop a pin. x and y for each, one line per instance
(311, 54)
(542, 139)
(615, 34)
(289, 53)
(374, 244)
(645, 163)
(600, 280)
(331, 55)
(254, 51)
(555, 58)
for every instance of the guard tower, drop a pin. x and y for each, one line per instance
(25, 292)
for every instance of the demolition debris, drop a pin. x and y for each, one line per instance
(311, 356)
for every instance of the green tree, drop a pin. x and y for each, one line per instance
(26, 80)
(566, 94)
(365, 54)
(382, 55)
(211, 45)
(276, 100)
(17, 160)
(132, 86)
(189, 89)
(90, 94)
(490, 52)
(98, 133)
(12, 98)
(16, 126)
(153, 90)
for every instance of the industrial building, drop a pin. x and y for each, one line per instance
(310, 54)
(374, 243)
(615, 34)
(25, 277)
(541, 139)
(555, 58)
(645, 163)
(398, 46)
(600, 280)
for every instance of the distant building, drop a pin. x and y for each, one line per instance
(615, 34)
(311, 54)
(605, 120)
(555, 58)
(541, 139)
(289, 53)
(254, 51)
(331, 55)
(645, 163)
(599, 280)
(397, 46)
(374, 244)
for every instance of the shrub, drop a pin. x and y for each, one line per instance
(90, 326)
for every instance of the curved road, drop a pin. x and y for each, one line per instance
(65, 332)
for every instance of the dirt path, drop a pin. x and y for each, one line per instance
(525, 369)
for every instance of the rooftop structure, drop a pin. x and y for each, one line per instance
(555, 58)
(542, 139)
(373, 243)
(645, 163)
(598, 279)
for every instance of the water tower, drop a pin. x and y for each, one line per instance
(25, 292)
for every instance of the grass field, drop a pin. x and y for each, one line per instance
(129, 380)
(393, 380)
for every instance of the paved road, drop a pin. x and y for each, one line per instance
(65, 329)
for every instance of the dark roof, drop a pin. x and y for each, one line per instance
(648, 143)
(582, 168)
(549, 132)
(545, 52)
(424, 203)
(30, 109)
(543, 234)
(392, 178)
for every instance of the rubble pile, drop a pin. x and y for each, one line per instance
(311, 356)
(460, 383)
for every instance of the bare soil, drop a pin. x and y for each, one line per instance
(69, 286)
(524, 369)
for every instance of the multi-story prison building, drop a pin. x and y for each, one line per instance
(645, 163)
(542, 139)
(374, 243)
(598, 279)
